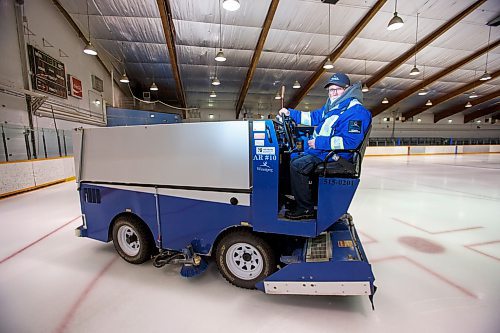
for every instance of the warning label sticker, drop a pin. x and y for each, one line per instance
(265, 151)
(259, 135)
(259, 126)
(259, 142)
(345, 243)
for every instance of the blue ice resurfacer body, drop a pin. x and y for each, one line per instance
(188, 193)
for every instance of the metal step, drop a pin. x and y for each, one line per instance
(319, 249)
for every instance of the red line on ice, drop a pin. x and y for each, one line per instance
(38, 240)
(435, 232)
(471, 247)
(428, 270)
(368, 237)
(71, 313)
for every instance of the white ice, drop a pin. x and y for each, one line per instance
(430, 227)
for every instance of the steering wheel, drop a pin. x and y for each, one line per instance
(286, 127)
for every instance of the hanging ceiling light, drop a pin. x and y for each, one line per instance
(414, 71)
(153, 87)
(385, 101)
(213, 94)
(124, 78)
(328, 64)
(473, 92)
(231, 5)
(89, 48)
(220, 55)
(423, 92)
(365, 86)
(468, 105)
(215, 81)
(429, 103)
(278, 96)
(396, 22)
(486, 76)
(296, 84)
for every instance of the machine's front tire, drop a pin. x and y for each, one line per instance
(244, 259)
(132, 240)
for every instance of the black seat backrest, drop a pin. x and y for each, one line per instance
(362, 148)
(343, 168)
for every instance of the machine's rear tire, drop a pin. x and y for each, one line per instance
(132, 240)
(244, 259)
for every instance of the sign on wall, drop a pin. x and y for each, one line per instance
(75, 88)
(48, 75)
(97, 84)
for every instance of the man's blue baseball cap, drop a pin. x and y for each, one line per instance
(339, 79)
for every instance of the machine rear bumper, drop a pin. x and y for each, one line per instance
(333, 263)
(341, 288)
(81, 231)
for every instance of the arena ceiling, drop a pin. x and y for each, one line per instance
(270, 43)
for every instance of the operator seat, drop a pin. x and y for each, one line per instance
(343, 168)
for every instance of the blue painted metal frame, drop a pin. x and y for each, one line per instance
(335, 197)
(113, 202)
(196, 222)
(335, 194)
(348, 264)
(265, 175)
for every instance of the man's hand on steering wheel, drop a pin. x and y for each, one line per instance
(284, 112)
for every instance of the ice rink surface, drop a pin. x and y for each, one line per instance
(430, 226)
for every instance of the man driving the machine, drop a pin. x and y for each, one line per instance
(340, 124)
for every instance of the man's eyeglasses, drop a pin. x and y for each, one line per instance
(335, 90)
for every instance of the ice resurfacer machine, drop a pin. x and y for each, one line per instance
(193, 193)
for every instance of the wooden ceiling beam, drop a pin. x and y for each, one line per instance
(481, 113)
(169, 31)
(423, 43)
(476, 101)
(472, 85)
(256, 55)
(336, 54)
(433, 78)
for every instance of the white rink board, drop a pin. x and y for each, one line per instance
(495, 149)
(16, 176)
(400, 150)
(214, 155)
(477, 149)
(430, 150)
(21, 175)
(438, 150)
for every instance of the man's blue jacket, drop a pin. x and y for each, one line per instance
(339, 125)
